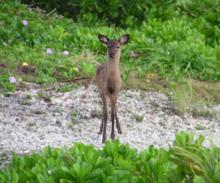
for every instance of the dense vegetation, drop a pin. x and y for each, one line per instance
(187, 161)
(169, 39)
(134, 13)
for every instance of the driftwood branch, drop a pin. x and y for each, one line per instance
(75, 79)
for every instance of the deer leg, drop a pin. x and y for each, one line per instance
(105, 117)
(101, 127)
(113, 121)
(118, 126)
(113, 115)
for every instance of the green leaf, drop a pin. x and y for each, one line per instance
(14, 177)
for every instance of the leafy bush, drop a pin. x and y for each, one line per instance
(187, 161)
(204, 15)
(173, 48)
(170, 48)
(5, 84)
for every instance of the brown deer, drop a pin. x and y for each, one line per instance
(108, 81)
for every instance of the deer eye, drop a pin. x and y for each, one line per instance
(117, 46)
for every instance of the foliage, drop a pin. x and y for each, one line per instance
(5, 84)
(187, 161)
(173, 47)
(133, 13)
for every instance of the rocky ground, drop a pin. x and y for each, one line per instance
(35, 118)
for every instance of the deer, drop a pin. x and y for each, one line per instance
(108, 81)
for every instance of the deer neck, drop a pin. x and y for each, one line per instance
(115, 61)
(113, 64)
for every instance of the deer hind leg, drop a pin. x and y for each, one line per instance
(104, 118)
(118, 126)
(101, 127)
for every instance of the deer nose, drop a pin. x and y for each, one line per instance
(111, 55)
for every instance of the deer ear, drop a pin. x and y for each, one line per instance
(103, 39)
(124, 39)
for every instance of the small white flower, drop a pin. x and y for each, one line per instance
(49, 51)
(25, 22)
(133, 54)
(66, 53)
(12, 79)
(5, 44)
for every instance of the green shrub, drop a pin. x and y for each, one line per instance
(204, 14)
(187, 161)
(173, 48)
(5, 84)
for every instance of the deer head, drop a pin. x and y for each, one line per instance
(114, 46)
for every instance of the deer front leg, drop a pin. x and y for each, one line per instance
(105, 118)
(113, 115)
(113, 122)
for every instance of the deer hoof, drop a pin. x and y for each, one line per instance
(103, 140)
(119, 131)
(113, 136)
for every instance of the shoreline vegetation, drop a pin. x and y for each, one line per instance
(174, 49)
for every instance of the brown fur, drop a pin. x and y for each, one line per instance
(108, 81)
